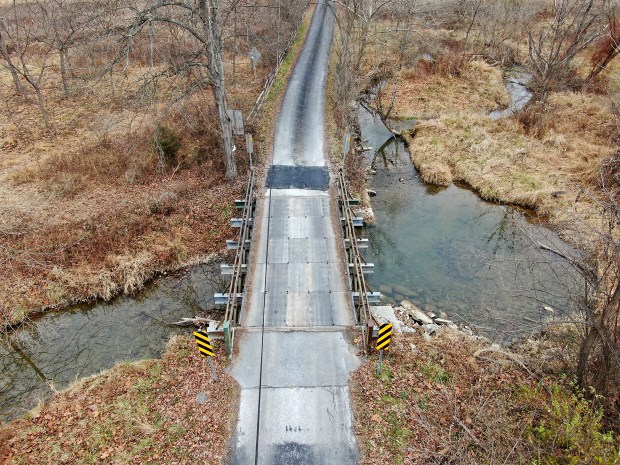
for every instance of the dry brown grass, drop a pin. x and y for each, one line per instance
(541, 161)
(424, 93)
(144, 412)
(80, 202)
(504, 163)
(87, 208)
(440, 401)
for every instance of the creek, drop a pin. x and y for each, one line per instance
(61, 347)
(516, 82)
(447, 250)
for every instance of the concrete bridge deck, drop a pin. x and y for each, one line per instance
(294, 347)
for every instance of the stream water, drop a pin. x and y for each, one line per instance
(447, 250)
(60, 347)
(516, 81)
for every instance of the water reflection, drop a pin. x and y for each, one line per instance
(61, 347)
(445, 249)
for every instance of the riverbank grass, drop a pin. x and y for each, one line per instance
(425, 92)
(151, 411)
(503, 162)
(456, 399)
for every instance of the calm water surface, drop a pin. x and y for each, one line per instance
(61, 347)
(447, 250)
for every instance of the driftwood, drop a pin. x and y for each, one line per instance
(514, 358)
(197, 321)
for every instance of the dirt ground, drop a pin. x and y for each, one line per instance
(89, 209)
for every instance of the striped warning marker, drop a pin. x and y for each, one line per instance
(204, 345)
(385, 336)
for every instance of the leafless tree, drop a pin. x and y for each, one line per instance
(24, 63)
(354, 19)
(6, 56)
(574, 25)
(499, 23)
(590, 292)
(202, 23)
(608, 46)
(64, 25)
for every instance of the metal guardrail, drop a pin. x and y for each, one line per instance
(239, 267)
(272, 77)
(360, 291)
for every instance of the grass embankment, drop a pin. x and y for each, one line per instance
(448, 400)
(89, 208)
(151, 411)
(501, 160)
(436, 402)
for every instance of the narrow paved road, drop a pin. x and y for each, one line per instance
(294, 353)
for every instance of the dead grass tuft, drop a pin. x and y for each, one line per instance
(507, 161)
(115, 248)
(435, 173)
(478, 89)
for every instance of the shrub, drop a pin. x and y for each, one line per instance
(168, 143)
(569, 430)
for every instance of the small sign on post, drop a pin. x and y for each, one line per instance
(205, 348)
(249, 146)
(346, 145)
(254, 57)
(383, 342)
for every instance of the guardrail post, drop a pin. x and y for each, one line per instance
(227, 339)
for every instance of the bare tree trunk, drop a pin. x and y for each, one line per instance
(597, 333)
(585, 350)
(476, 8)
(607, 48)
(7, 58)
(41, 103)
(151, 51)
(63, 72)
(18, 85)
(212, 31)
(112, 82)
(36, 85)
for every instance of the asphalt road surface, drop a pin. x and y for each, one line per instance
(294, 352)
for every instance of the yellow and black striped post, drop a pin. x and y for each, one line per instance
(205, 348)
(385, 336)
(383, 341)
